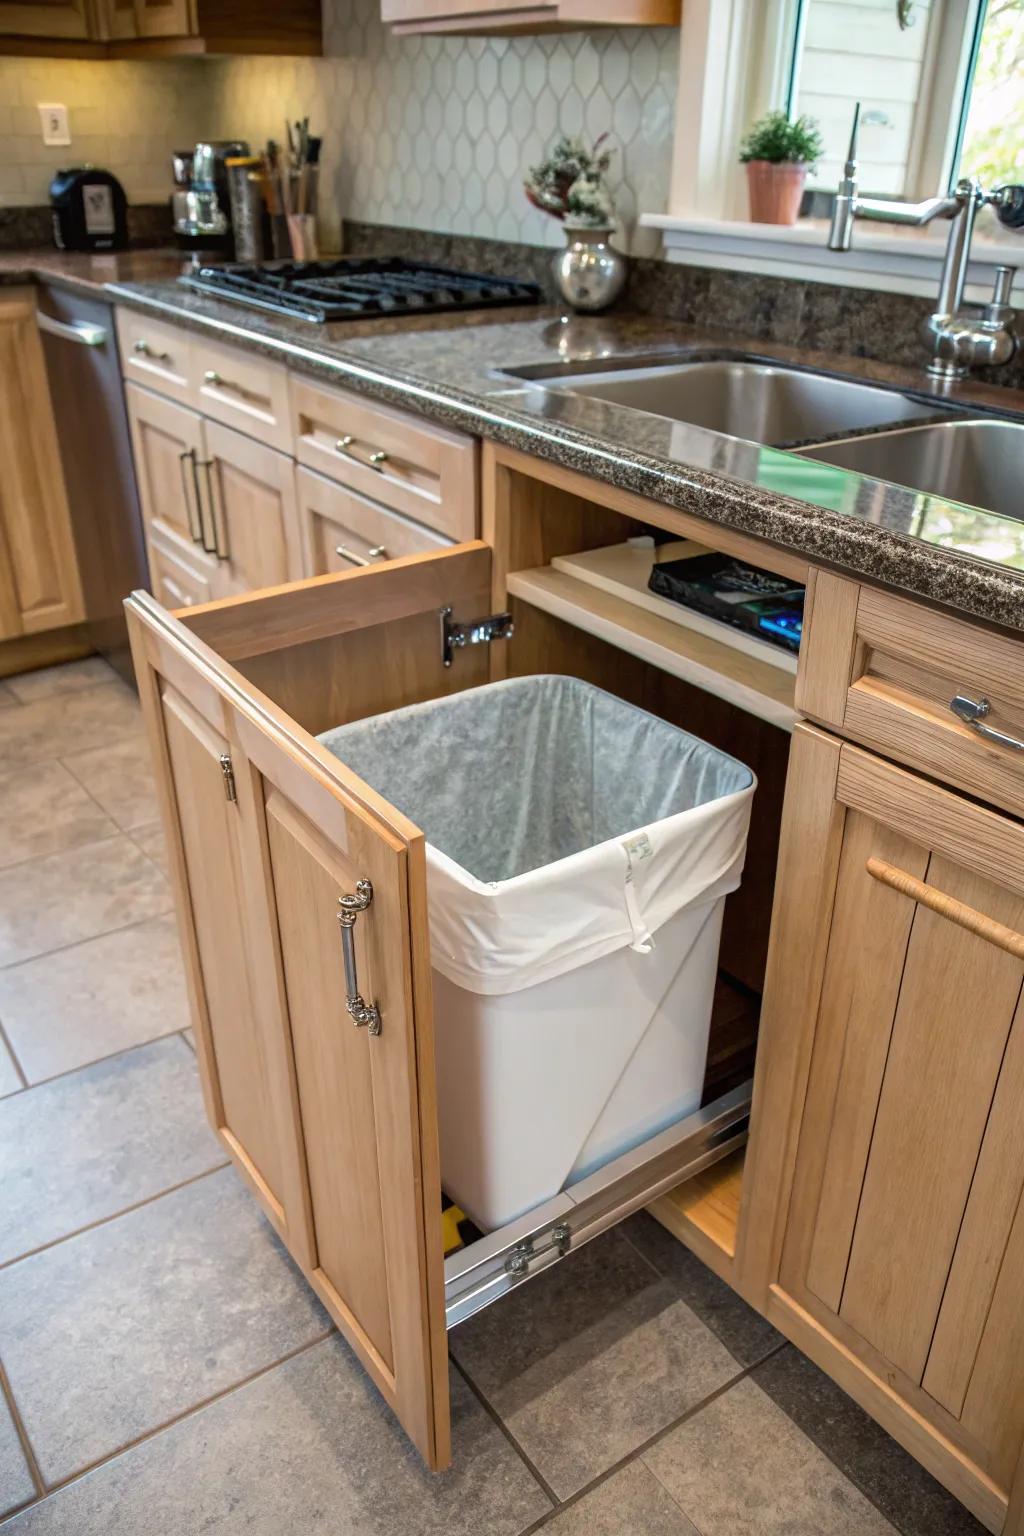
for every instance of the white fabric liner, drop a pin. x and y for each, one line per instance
(561, 823)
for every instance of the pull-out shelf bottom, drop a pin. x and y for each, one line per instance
(494, 1265)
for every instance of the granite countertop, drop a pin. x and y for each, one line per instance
(89, 272)
(451, 369)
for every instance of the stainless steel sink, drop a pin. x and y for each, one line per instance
(762, 402)
(977, 462)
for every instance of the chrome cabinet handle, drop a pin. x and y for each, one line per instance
(373, 460)
(195, 522)
(211, 376)
(144, 349)
(204, 538)
(80, 331)
(372, 555)
(217, 548)
(360, 1012)
(973, 711)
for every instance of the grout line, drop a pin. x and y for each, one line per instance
(189, 1039)
(64, 693)
(95, 1061)
(93, 841)
(102, 1221)
(493, 1414)
(19, 1424)
(186, 1413)
(61, 949)
(5, 1041)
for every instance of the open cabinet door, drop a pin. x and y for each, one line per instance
(327, 1107)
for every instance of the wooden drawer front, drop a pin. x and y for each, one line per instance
(175, 580)
(157, 355)
(884, 670)
(422, 471)
(341, 529)
(243, 391)
(905, 1236)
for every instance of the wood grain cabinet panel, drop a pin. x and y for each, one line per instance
(65, 20)
(168, 447)
(341, 529)
(249, 491)
(904, 1242)
(39, 584)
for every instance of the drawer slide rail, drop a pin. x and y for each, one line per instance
(488, 1269)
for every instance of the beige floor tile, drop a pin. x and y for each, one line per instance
(632, 1503)
(44, 809)
(49, 903)
(67, 677)
(16, 1485)
(7, 696)
(154, 845)
(119, 777)
(73, 722)
(65, 1010)
(309, 1448)
(119, 1329)
(86, 1145)
(10, 1078)
(741, 1465)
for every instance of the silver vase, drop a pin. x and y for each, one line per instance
(589, 273)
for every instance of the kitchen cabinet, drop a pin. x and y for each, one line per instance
(160, 28)
(120, 19)
(499, 16)
(58, 19)
(39, 583)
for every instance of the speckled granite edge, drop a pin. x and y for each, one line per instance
(972, 586)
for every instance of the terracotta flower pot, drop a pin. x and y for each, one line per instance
(775, 191)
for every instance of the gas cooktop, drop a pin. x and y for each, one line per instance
(359, 288)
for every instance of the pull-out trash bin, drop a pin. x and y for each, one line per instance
(579, 852)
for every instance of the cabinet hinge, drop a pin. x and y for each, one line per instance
(229, 777)
(494, 626)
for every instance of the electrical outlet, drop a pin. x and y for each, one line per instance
(54, 118)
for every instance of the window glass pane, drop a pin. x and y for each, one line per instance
(856, 50)
(994, 138)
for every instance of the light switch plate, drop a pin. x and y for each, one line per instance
(54, 118)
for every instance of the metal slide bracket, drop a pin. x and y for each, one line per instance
(495, 626)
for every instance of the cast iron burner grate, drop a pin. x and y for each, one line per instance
(359, 288)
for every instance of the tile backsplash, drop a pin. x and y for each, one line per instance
(436, 132)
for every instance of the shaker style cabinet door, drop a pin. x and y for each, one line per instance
(167, 444)
(120, 20)
(904, 1241)
(249, 494)
(65, 20)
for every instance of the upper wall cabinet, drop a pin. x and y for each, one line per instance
(160, 28)
(507, 17)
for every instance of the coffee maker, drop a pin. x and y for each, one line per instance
(201, 204)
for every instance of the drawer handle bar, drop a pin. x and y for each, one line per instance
(206, 465)
(360, 1012)
(947, 906)
(144, 349)
(193, 517)
(973, 711)
(79, 331)
(217, 380)
(374, 460)
(372, 555)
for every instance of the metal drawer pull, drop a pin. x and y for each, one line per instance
(144, 349)
(973, 711)
(359, 1011)
(372, 555)
(376, 459)
(211, 376)
(222, 554)
(947, 906)
(195, 526)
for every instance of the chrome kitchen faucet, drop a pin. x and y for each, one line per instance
(956, 342)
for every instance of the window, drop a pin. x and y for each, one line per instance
(939, 82)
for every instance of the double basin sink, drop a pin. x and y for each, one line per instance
(980, 463)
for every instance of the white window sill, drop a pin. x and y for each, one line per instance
(892, 258)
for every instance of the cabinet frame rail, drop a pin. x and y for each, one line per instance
(488, 1269)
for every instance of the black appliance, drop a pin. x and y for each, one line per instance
(90, 211)
(359, 288)
(80, 345)
(746, 596)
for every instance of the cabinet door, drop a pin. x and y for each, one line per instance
(39, 585)
(904, 1242)
(250, 492)
(63, 19)
(121, 20)
(308, 834)
(167, 441)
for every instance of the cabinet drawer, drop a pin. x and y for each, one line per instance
(884, 671)
(422, 471)
(157, 355)
(243, 391)
(177, 581)
(341, 529)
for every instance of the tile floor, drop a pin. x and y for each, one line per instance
(163, 1368)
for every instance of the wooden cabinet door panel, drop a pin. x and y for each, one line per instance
(167, 443)
(904, 1237)
(251, 495)
(63, 19)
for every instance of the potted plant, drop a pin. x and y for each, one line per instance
(778, 152)
(571, 185)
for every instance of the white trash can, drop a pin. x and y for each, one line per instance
(579, 852)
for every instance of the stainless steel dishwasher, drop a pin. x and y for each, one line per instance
(80, 344)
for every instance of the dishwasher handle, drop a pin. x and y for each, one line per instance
(80, 331)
